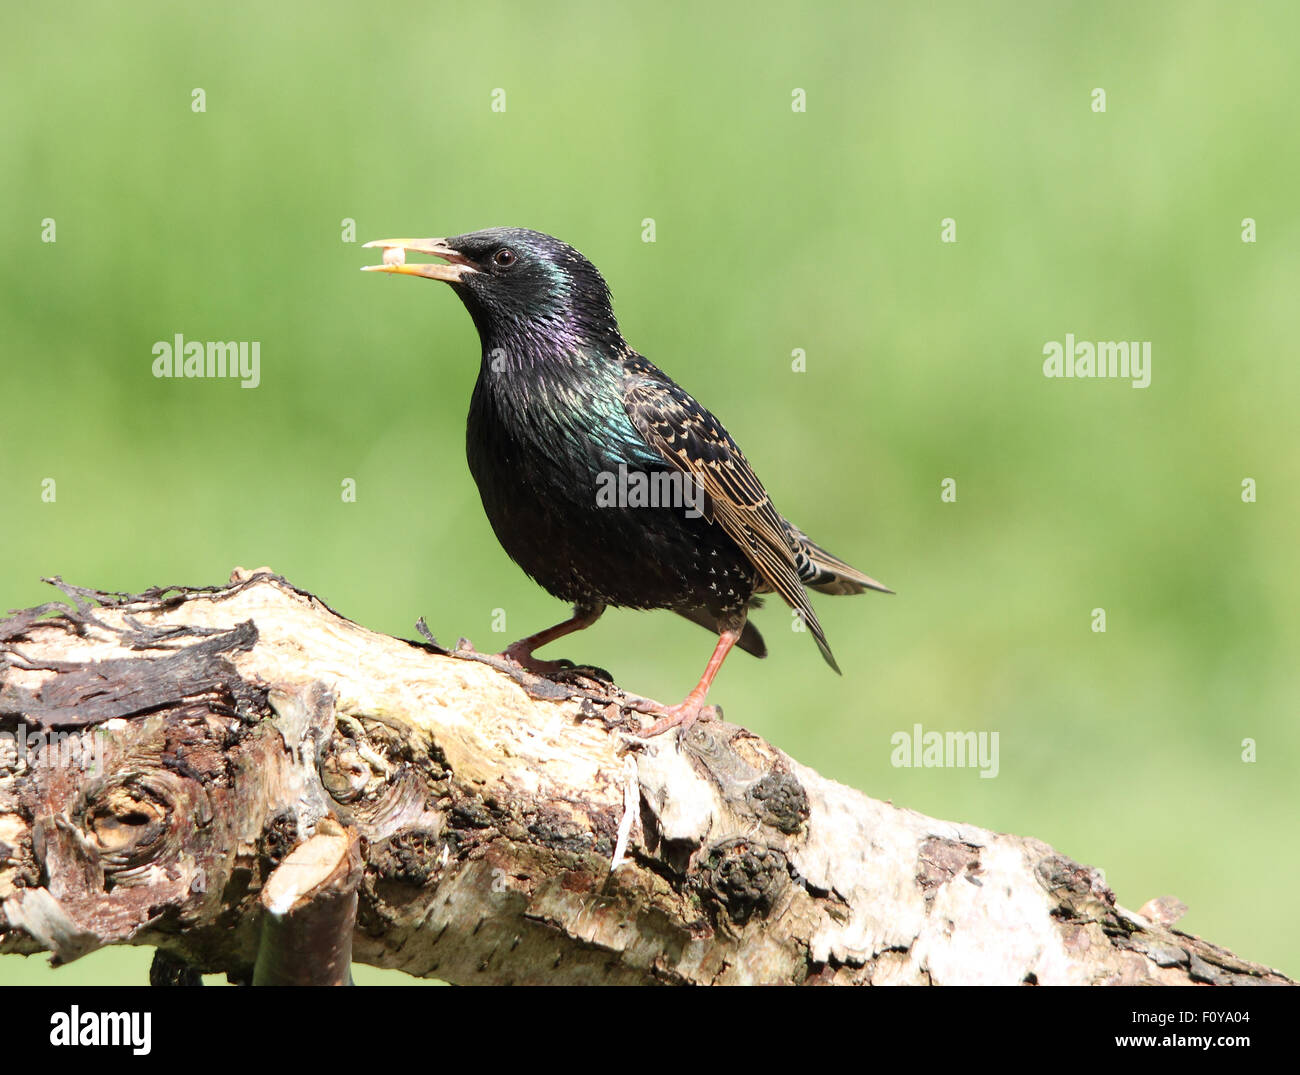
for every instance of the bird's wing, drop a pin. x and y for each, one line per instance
(693, 440)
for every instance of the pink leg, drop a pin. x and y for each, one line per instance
(688, 711)
(521, 652)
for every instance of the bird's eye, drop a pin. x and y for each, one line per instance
(504, 258)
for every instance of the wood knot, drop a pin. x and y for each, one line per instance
(131, 821)
(780, 802)
(376, 782)
(409, 857)
(279, 835)
(344, 773)
(743, 877)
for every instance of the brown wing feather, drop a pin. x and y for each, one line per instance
(826, 573)
(693, 440)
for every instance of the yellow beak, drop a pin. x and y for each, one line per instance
(395, 251)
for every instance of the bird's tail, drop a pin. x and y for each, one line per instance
(819, 570)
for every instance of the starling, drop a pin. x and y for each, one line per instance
(602, 478)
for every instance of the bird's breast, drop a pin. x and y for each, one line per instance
(586, 507)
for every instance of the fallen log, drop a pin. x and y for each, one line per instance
(252, 784)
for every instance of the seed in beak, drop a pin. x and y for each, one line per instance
(394, 255)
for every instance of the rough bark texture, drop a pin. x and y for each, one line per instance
(220, 729)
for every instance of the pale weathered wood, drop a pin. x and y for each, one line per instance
(235, 723)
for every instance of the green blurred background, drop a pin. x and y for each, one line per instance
(775, 230)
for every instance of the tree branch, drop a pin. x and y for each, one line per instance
(238, 770)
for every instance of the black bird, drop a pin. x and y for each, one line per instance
(567, 420)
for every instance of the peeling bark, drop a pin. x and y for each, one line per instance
(468, 814)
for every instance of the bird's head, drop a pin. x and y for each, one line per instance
(518, 285)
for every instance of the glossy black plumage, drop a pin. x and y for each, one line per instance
(562, 403)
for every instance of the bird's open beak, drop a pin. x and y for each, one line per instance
(395, 251)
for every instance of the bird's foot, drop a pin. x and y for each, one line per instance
(516, 655)
(683, 715)
(523, 657)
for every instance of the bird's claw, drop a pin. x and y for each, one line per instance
(524, 659)
(683, 715)
(579, 672)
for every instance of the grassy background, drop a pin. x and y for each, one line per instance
(775, 231)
